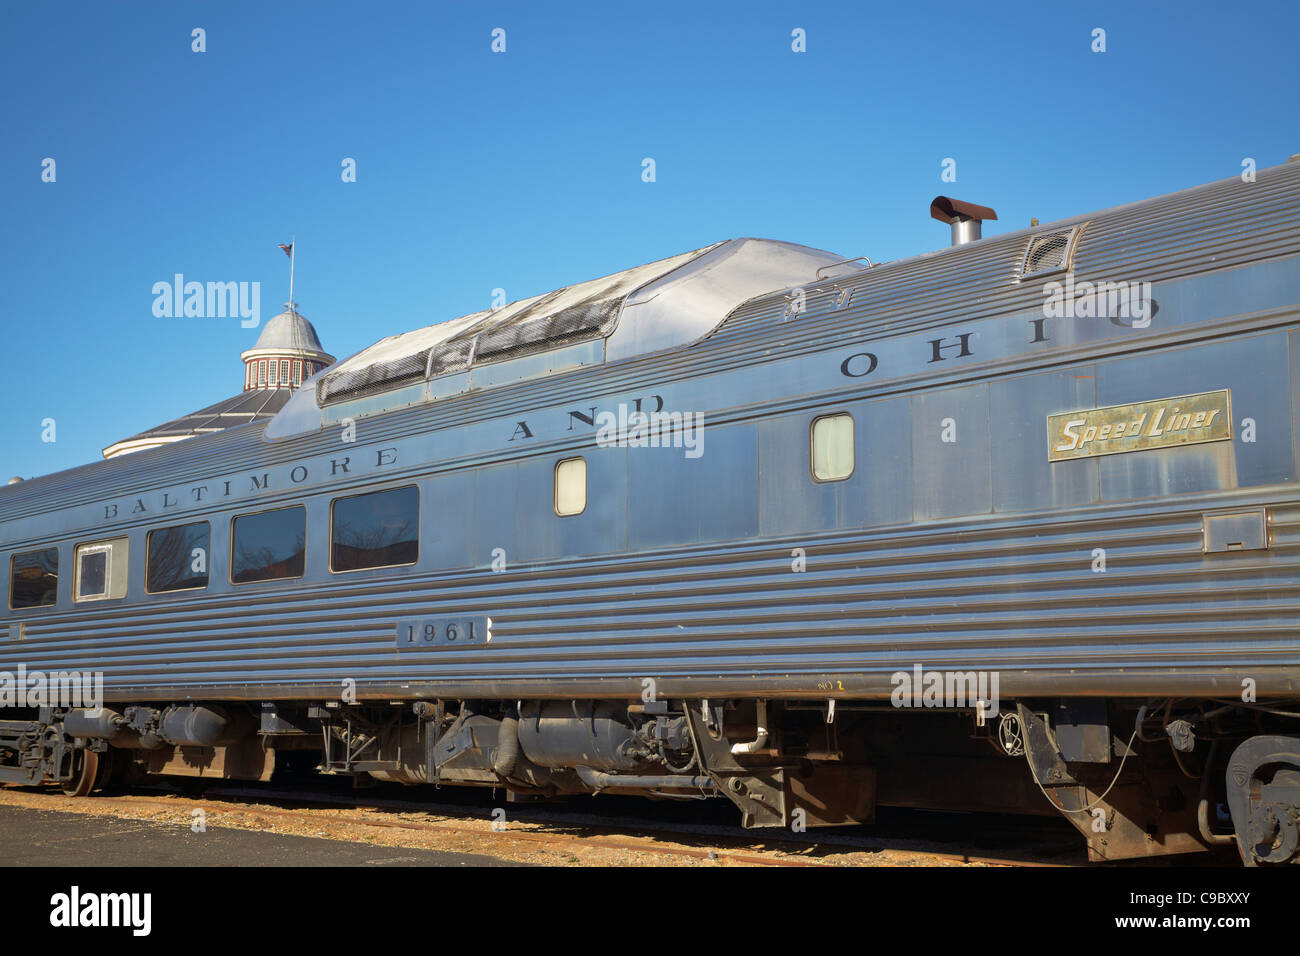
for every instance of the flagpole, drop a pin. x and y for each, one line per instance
(292, 243)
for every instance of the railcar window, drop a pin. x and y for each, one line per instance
(92, 574)
(178, 558)
(268, 545)
(34, 578)
(571, 486)
(378, 530)
(832, 447)
(99, 570)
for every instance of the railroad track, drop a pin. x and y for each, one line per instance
(609, 826)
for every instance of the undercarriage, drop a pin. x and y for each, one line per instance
(1137, 779)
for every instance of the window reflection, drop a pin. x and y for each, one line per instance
(376, 530)
(268, 546)
(34, 578)
(178, 558)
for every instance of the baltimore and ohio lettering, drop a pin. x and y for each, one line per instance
(642, 423)
(1127, 305)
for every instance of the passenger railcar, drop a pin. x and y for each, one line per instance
(1012, 526)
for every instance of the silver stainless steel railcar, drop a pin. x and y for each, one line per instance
(1012, 525)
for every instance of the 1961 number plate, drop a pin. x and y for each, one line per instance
(438, 633)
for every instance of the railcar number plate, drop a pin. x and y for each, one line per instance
(439, 633)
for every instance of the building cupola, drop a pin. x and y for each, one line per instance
(287, 353)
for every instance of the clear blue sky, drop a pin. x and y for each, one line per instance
(522, 170)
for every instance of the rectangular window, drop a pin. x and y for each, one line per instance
(378, 530)
(34, 578)
(99, 570)
(177, 558)
(571, 486)
(272, 374)
(832, 447)
(297, 371)
(261, 373)
(284, 371)
(268, 545)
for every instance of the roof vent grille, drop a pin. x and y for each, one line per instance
(1049, 252)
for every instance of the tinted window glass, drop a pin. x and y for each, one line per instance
(268, 545)
(34, 578)
(376, 531)
(178, 557)
(94, 574)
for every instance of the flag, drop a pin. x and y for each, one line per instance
(288, 250)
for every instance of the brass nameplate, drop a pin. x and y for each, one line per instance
(1185, 420)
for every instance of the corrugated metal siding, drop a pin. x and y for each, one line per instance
(1014, 596)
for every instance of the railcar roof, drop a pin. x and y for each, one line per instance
(648, 308)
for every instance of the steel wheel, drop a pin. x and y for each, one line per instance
(85, 767)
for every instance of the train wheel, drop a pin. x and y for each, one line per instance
(106, 770)
(85, 768)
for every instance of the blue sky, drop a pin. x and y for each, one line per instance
(522, 170)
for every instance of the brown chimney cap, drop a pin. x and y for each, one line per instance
(946, 210)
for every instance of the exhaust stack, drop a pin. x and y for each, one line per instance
(966, 218)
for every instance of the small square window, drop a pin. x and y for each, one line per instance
(92, 575)
(832, 447)
(100, 570)
(571, 486)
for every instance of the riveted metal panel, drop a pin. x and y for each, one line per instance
(493, 505)
(878, 492)
(673, 499)
(951, 477)
(1022, 475)
(1253, 369)
(602, 525)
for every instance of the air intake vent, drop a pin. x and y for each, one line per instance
(1049, 252)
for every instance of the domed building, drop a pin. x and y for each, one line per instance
(287, 353)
